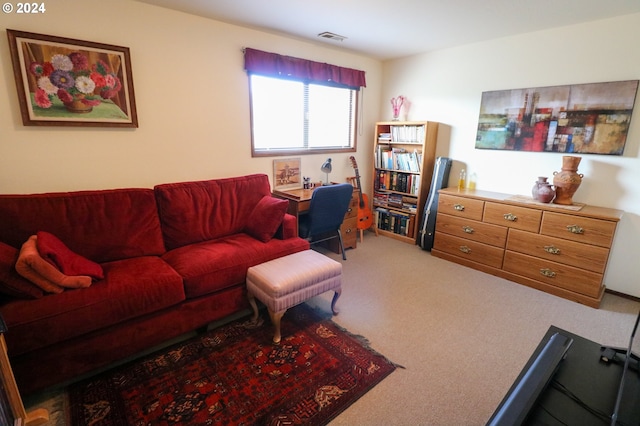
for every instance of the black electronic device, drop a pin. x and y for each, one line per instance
(439, 180)
(629, 359)
(515, 407)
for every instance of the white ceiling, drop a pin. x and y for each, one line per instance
(386, 29)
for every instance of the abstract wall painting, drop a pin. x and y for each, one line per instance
(589, 118)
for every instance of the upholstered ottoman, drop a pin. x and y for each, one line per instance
(290, 280)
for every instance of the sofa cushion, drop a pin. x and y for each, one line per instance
(191, 212)
(101, 225)
(131, 288)
(266, 218)
(58, 254)
(215, 265)
(11, 283)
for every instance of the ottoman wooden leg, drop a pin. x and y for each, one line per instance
(254, 306)
(275, 319)
(337, 294)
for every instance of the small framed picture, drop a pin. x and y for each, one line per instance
(287, 173)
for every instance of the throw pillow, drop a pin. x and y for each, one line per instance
(266, 218)
(40, 272)
(59, 255)
(11, 283)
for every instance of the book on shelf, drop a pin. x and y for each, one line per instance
(384, 137)
(397, 181)
(384, 157)
(408, 133)
(398, 159)
(395, 200)
(410, 207)
(381, 199)
(396, 222)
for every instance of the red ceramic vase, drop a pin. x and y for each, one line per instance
(568, 180)
(542, 190)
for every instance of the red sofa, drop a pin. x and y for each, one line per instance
(174, 258)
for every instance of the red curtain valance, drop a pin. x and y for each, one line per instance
(272, 64)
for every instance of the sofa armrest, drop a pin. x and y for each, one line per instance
(288, 228)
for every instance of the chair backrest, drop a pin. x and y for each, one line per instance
(328, 206)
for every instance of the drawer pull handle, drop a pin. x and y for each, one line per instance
(547, 273)
(510, 217)
(467, 229)
(347, 231)
(575, 229)
(465, 249)
(349, 210)
(458, 207)
(552, 249)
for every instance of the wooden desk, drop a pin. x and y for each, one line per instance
(299, 201)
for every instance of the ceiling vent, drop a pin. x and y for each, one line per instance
(331, 36)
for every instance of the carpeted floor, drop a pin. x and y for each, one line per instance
(462, 335)
(235, 375)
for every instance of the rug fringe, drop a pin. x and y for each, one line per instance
(361, 339)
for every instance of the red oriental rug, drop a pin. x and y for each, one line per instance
(234, 375)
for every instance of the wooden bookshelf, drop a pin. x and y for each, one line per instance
(404, 158)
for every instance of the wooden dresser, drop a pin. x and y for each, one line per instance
(557, 249)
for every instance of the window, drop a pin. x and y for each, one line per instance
(290, 116)
(300, 106)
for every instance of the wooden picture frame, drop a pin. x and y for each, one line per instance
(68, 82)
(287, 173)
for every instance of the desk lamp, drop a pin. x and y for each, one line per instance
(326, 168)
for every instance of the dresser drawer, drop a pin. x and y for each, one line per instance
(349, 231)
(473, 230)
(577, 228)
(349, 227)
(580, 255)
(554, 274)
(470, 250)
(352, 211)
(349, 241)
(512, 216)
(460, 206)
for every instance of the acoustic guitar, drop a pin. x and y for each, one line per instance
(365, 216)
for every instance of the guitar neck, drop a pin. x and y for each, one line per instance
(355, 168)
(360, 189)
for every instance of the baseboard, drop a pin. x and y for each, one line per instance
(623, 295)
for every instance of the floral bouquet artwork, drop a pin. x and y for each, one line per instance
(396, 104)
(69, 82)
(79, 85)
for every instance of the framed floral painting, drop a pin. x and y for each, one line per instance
(68, 82)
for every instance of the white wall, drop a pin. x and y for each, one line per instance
(191, 94)
(447, 85)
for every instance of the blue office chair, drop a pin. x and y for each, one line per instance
(326, 212)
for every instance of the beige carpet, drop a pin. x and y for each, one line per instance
(462, 335)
